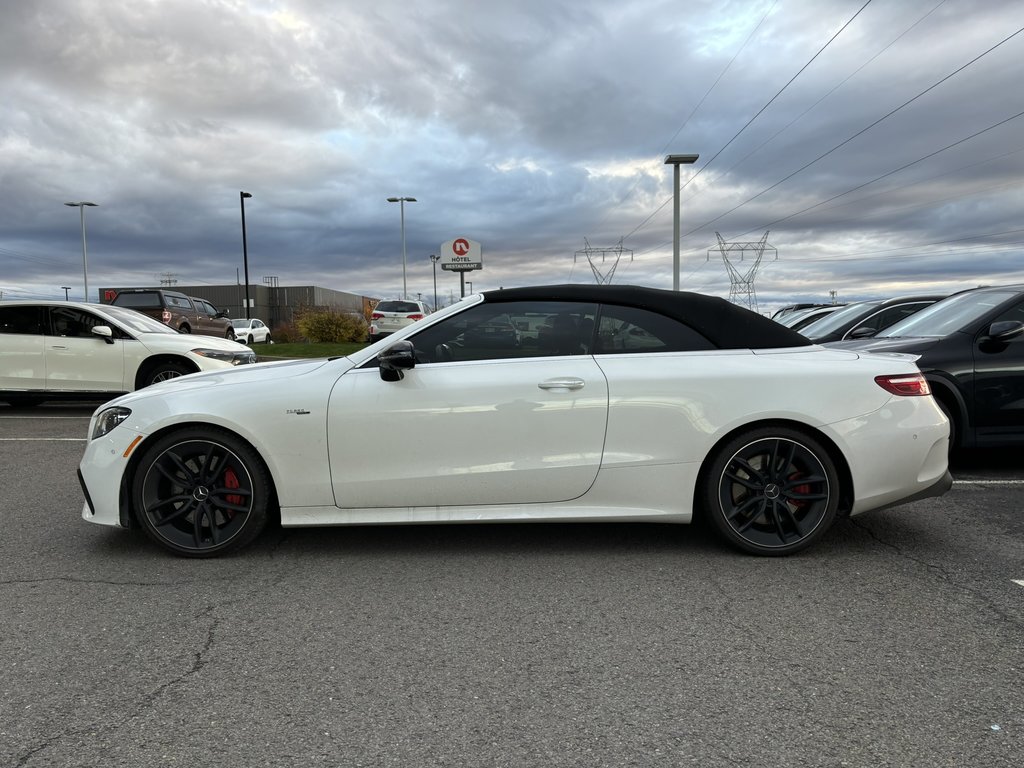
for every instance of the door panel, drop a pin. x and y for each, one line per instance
(481, 432)
(999, 380)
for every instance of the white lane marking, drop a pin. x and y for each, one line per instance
(988, 482)
(1019, 581)
(43, 440)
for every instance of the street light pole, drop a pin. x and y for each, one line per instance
(675, 161)
(81, 206)
(245, 250)
(66, 288)
(433, 260)
(401, 202)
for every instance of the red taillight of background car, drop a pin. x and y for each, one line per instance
(165, 316)
(414, 317)
(907, 385)
(376, 316)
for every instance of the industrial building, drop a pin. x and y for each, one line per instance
(272, 304)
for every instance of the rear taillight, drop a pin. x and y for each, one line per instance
(905, 384)
(165, 316)
(415, 317)
(376, 316)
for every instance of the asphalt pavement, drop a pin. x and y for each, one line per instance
(898, 641)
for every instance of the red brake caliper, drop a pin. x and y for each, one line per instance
(231, 481)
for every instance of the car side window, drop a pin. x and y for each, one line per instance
(179, 302)
(502, 330)
(74, 323)
(1015, 312)
(890, 315)
(624, 330)
(20, 320)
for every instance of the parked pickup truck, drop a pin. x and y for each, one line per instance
(187, 314)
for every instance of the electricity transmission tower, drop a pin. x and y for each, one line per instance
(603, 278)
(741, 283)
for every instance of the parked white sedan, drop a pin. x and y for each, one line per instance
(54, 350)
(627, 404)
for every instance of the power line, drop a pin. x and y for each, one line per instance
(858, 133)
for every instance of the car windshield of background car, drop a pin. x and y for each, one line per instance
(137, 321)
(947, 316)
(834, 320)
(240, 323)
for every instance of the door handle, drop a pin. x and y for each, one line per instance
(562, 383)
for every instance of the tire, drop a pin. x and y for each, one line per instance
(22, 401)
(183, 328)
(248, 340)
(772, 491)
(164, 372)
(200, 492)
(268, 340)
(230, 334)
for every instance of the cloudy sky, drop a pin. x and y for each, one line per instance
(880, 143)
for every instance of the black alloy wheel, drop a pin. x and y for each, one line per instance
(201, 492)
(772, 491)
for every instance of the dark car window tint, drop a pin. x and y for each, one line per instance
(20, 320)
(398, 306)
(137, 300)
(70, 322)
(493, 331)
(630, 330)
(1015, 312)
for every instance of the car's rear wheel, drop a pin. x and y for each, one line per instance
(230, 334)
(268, 340)
(201, 492)
(772, 491)
(183, 328)
(164, 372)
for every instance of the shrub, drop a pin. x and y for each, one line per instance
(286, 333)
(328, 326)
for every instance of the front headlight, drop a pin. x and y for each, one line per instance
(235, 358)
(107, 419)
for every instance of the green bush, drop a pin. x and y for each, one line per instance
(286, 333)
(327, 326)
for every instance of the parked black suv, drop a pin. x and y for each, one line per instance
(186, 314)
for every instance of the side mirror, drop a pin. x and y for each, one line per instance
(399, 357)
(221, 315)
(864, 332)
(104, 332)
(1005, 330)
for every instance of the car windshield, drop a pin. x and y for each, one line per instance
(239, 323)
(137, 321)
(398, 306)
(834, 320)
(947, 316)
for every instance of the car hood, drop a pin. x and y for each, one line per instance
(187, 341)
(234, 377)
(915, 345)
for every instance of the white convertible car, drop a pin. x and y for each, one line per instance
(608, 403)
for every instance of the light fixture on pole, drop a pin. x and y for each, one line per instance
(65, 288)
(433, 260)
(245, 250)
(402, 201)
(675, 161)
(81, 206)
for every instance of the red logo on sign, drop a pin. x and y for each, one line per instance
(460, 247)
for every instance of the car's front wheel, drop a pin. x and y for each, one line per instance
(165, 371)
(201, 492)
(772, 491)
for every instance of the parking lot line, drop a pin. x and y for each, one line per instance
(1019, 581)
(43, 440)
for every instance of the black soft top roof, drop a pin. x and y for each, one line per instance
(727, 325)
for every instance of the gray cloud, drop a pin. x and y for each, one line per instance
(527, 126)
